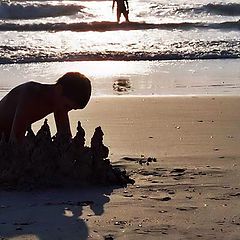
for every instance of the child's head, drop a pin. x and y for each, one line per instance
(76, 87)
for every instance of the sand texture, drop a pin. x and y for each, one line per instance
(183, 153)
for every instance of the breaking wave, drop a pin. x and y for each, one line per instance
(113, 26)
(228, 9)
(34, 11)
(177, 51)
(28, 10)
(189, 17)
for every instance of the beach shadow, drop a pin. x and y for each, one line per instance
(55, 214)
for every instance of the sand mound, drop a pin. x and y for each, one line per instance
(43, 161)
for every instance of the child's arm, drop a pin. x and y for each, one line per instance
(62, 123)
(19, 125)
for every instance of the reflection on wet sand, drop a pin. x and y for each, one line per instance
(122, 85)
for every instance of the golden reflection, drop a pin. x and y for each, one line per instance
(101, 69)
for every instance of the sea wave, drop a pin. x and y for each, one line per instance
(176, 51)
(224, 9)
(34, 11)
(228, 9)
(113, 26)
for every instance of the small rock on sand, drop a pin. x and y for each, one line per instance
(235, 194)
(129, 195)
(109, 237)
(165, 199)
(178, 170)
(186, 208)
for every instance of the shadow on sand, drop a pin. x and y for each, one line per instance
(55, 214)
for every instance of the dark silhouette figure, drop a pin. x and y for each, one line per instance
(31, 101)
(122, 8)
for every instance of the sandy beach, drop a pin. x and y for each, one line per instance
(166, 93)
(191, 191)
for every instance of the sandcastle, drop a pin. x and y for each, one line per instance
(44, 161)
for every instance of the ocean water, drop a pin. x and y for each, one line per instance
(48, 31)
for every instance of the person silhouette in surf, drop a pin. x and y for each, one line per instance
(31, 101)
(122, 8)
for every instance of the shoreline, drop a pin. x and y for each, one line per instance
(134, 78)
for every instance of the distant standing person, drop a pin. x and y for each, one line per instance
(122, 8)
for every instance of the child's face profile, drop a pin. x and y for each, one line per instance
(67, 104)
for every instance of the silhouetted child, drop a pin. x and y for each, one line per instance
(31, 101)
(122, 8)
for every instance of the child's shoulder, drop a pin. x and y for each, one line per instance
(31, 85)
(29, 88)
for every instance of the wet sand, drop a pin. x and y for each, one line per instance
(153, 78)
(192, 191)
